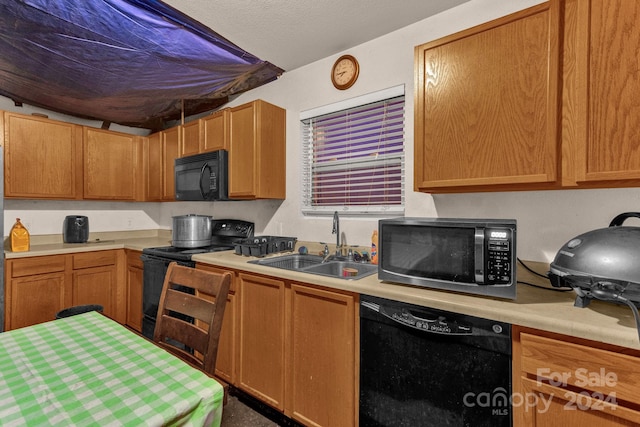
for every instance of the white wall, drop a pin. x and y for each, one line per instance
(546, 219)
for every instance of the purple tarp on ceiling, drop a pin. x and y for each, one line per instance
(133, 62)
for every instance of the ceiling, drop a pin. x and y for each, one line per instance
(142, 63)
(294, 33)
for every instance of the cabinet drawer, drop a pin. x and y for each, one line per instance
(133, 259)
(568, 364)
(36, 265)
(94, 259)
(234, 285)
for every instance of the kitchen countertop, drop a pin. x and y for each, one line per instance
(543, 309)
(52, 245)
(535, 308)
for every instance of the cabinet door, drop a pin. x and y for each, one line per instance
(170, 152)
(112, 165)
(262, 338)
(243, 155)
(257, 151)
(96, 286)
(190, 135)
(323, 357)
(34, 299)
(560, 407)
(43, 158)
(601, 89)
(95, 280)
(215, 131)
(35, 290)
(486, 118)
(155, 167)
(225, 361)
(560, 380)
(134, 290)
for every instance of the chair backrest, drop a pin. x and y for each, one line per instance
(199, 297)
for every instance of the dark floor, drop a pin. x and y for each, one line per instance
(243, 411)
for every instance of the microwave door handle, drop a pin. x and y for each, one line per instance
(479, 256)
(203, 193)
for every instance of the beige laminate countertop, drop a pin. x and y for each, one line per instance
(535, 308)
(105, 241)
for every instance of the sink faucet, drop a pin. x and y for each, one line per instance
(336, 230)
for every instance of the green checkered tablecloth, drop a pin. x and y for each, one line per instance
(88, 370)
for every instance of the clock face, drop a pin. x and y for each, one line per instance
(345, 72)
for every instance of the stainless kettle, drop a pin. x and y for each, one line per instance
(75, 229)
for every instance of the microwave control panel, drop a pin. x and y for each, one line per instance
(498, 256)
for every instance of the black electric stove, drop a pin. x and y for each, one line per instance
(225, 232)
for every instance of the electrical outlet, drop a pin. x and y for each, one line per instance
(129, 223)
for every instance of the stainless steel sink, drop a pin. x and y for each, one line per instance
(336, 269)
(290, 262)
(313, 264)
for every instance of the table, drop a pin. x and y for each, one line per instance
(89, 370)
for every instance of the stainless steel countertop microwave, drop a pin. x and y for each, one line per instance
(202, 177)
(474, 256)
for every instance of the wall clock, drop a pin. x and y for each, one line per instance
(345, 72)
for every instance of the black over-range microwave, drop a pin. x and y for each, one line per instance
(202, 176)
(475, 256)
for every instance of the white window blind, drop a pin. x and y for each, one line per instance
(353, 159)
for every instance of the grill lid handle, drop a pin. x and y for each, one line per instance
(618, 220)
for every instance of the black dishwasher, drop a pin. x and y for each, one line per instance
(426, 367)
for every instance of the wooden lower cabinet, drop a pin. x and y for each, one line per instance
(322, 362)
(135, 270)
(226, 359)
(261, 349)
(95, 280)
(36, 288)
(298, 349)
(564, 381)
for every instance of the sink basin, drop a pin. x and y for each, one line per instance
(313, 264)
(336, 269)
(290, 262)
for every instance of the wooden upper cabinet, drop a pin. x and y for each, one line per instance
(154, 167)
(170, 151)
(215, 131)
(112, 165)
(601, 92)
(257, 151)
(191, 138)
(487, 105)
(43, 158)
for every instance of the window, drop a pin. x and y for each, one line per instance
(353, 155)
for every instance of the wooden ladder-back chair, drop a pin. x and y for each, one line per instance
(206, 306)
